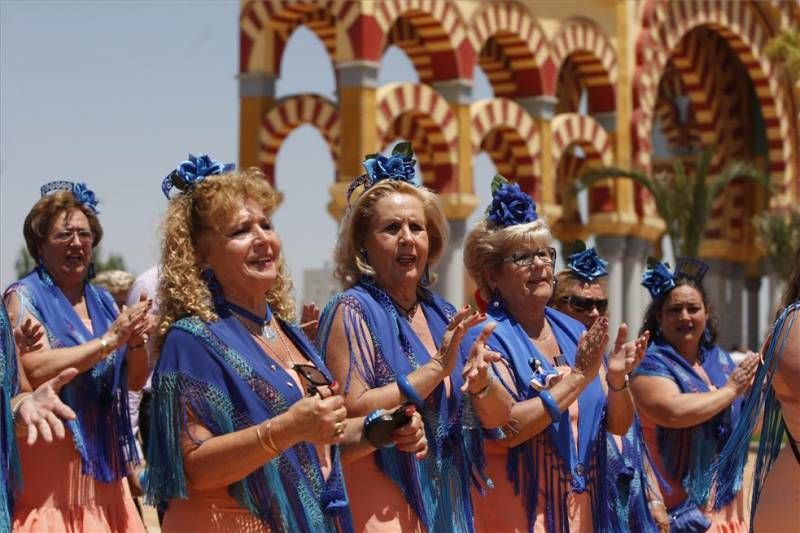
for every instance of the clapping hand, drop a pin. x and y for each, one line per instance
(625, 356)
(590, 348)
(476, 371)
(28, 337)
(456, 329)
(742, 377)
(42, 410)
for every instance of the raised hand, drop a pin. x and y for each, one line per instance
(131, 321)
(143, 328)
(42, 410)
(476, 371)
(28, 337)
(590, 348)
(742, 378)
(309, 320)
(411, 437)
(625, 356)
(448, 351)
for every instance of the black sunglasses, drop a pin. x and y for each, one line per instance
(314, 377)
(582, 305)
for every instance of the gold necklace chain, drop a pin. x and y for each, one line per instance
(259, 336)
(549, 332)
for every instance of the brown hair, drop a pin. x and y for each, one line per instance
(45, 211)
(486, 247)
(356, 222)
(182, 290)
(566, 280)
(650, 322)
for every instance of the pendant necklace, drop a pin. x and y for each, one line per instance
(267, 331)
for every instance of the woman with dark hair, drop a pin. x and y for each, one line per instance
(633, 499)
(687, 392)
(776, 485)
(391, 340)
(79, 483)
(247, 426)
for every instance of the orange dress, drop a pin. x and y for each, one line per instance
(779, 506)
(730, 519)
(56, 496)
(502, 510)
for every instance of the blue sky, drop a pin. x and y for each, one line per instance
(117, 93)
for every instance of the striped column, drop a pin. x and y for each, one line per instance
(257, 97)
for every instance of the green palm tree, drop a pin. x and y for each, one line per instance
(784, 49)
(683, 200)
(780, 234)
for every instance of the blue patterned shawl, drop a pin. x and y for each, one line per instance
(218, 372)
(567, 468)
(437, 487)
(728, 470)
(10, 468)
(689, 453)
(99, 396)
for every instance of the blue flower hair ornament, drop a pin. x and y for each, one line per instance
(397, 166)
(658, 279)
(189, 173)
(83, 194)
(510, 205)
(586, 264)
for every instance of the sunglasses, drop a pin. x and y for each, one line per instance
(314, 377)
(582, 305)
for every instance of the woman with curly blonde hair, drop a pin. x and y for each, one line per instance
(246, 419)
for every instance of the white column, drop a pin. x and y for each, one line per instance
(450, 269)
(752, 312)
(612, 249)
(636, 297)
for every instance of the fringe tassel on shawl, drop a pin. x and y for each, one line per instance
(729, 468)
(11, 475)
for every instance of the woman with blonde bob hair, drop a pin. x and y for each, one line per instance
(246, 419)
(548, 470)
(394, 344)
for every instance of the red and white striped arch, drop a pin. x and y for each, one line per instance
(570, 129)
(290, 113)
(588, 47)
(512, 50)
(504, 130)
(429, 31)
(418, 113)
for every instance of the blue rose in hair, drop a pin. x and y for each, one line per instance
(510, 206)
(189, 173)
(394, 167)
(85, 195)
(587, 265)
(658, 280)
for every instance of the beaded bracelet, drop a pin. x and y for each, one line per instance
(551, 405)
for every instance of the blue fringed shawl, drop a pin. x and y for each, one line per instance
(627, 483)
(728, 470)
(689, 453)
(10, 468)
(566, 467)
(437, 487)
(102, 430)
(218, 372)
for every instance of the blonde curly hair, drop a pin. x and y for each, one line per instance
(182, 290)
(357, 219)
(487, 246)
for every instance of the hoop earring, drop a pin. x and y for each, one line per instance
(364, 256)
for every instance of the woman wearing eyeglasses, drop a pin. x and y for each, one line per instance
(246, 419)
(548, 471)
(78, 483)
(633, 496)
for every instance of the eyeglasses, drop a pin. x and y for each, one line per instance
(64, 236)
(314, 376)
(582, 305)
(546, 256)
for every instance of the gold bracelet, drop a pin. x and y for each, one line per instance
(105, 346)
(270, 448)
(15, 408)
